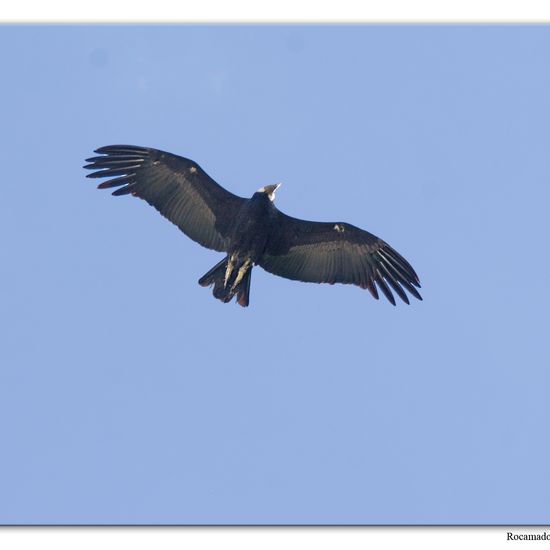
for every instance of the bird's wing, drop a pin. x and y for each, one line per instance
(177, 187)
(337, 253)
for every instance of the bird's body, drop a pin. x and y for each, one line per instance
(248, 236)
(252, 231)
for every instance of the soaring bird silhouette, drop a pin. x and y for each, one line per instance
(252, 231)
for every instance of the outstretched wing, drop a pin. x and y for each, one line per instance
(337, 253)
(177, 187)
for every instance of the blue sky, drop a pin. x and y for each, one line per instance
(128, 394)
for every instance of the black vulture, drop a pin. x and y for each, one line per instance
(252, 231)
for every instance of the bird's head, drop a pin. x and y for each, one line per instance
(269, 190)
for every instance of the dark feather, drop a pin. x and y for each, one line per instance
(402, 278)
(177, 187)
(393, 282)
(123, 180)
(337, 253)
(372, 289)
(120, 162)
(124, 190)
(110, 172)
(123, 150)
(384, 287)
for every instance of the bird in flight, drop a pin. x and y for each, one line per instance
(252, 231)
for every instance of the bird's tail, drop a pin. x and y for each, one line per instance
(231, 277)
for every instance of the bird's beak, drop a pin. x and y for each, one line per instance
(271, 190)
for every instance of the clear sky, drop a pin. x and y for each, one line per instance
(128, 394)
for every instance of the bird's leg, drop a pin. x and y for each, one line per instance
(242, 271)
(229, 268)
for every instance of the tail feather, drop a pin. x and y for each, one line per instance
(243, 288)
(226, 291)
